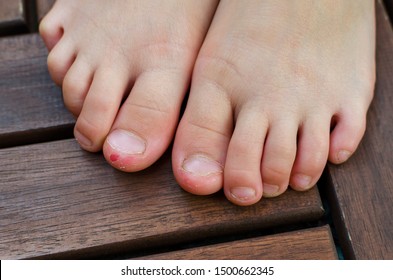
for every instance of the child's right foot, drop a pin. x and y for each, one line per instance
(288, 85)
(143, 52)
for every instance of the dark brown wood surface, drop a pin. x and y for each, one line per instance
(43, 7)
(57, 200)
(31, 106)
(361, 191)
(12, 17)
(309, 244)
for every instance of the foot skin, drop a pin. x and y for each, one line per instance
(279, 88)
(124, 68)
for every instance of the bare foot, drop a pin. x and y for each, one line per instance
(279, 88)
(141, 53)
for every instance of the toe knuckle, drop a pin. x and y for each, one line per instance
(55, 69)
(43, 27)
(73, 105)
(52, 62)
(90, 128)
(73, 88)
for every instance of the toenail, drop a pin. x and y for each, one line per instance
(82, 140)
(343, 155)
(201, 165)
(270, 190)
(126, 142)
(243, 193)
(302, 181)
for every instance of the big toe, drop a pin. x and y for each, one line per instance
(209, 154)
(202, 140)
(146, 122)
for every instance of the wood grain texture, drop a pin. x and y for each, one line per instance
(309, 244)
(12, 17)
(59, 201)
(43, 6)
(31, 106)
(362, 189)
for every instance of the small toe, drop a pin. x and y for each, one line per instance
(100, 108)
(346, 135)
(76, 85)
(312, 153)
(51, 28)
(60, 59)
(242, 174)
(278, 156)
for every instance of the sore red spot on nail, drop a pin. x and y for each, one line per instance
(114, 157)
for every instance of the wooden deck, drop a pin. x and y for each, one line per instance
(57, 201)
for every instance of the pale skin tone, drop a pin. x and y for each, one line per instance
(277, 87)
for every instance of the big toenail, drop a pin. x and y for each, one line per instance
(82, 140)
(270, 190)
(201, 165)
(243, 193)
(302, 181)
(343, 155)
(126, 142)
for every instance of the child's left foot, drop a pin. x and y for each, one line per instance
(278, 88)
(124, 67)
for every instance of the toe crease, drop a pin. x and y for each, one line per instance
(210, 129)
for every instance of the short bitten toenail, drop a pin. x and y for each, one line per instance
(343, 155)
(201, 165)
(243, 193)
(302, 181)
(126, 142)
(82, 140)
(270, 190)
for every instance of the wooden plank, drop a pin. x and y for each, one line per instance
(31, 106)
(43, 6)
(12, 17)
(309, 244)
(59, 201)
(362, 188)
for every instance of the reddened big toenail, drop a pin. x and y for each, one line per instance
(343, 155)
(243, 193)
(270, 190)
(201, 165)
(126, 142)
